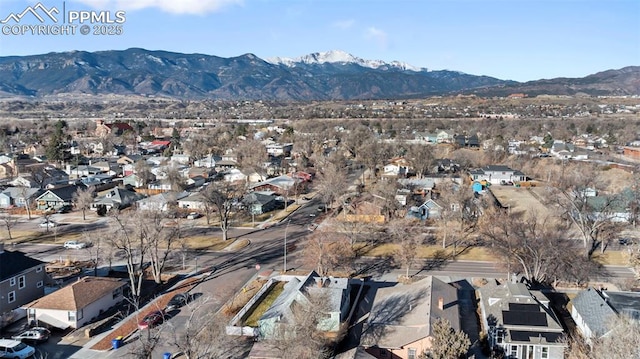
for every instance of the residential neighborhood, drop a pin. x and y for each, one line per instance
(299, 238)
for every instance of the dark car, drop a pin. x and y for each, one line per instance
(64, 209)
(178, 300)
(625, 241)
(33, 335)
(151, 320)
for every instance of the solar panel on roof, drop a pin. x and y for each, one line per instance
(524, 307)
(525, 336)
(533, 319)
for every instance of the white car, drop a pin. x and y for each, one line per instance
(193, 215)
(48, 223)
(74, 245)
(15, 349)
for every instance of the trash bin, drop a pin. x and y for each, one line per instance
(116, 343)
(167, 356)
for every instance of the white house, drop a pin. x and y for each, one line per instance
(78, 303)
(161, 201)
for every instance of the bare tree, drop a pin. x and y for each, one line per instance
(592, 216)
(536, 246)
(458, 215)
(9, 222)
(421, 159)
(83, 197)
(24, 193)
(203, 334)
(252, 155)
(127, 238)
(143, 171)
(160, 240)
(621, 341)
(302, 336)
(223, 196)
(325, 251)
(175, 178)
(331, 183)
(404, 233)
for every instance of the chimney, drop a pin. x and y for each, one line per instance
(440, 303)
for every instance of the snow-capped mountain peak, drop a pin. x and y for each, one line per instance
(340, 57)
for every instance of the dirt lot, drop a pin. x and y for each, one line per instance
(522, 198)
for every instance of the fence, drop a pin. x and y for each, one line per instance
(232, 328)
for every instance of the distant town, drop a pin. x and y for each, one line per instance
(445, 227)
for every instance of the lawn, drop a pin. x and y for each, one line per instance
(208, 242)
(431, 251)
(267, 301)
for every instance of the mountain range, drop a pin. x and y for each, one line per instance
(332, 75)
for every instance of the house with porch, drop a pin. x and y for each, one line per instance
(116, 197)
(57, 197)
(519, 322)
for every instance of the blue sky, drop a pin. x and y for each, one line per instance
(509, 39)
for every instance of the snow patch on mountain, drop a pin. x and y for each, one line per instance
(340, 57)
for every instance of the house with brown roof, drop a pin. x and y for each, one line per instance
(78, 303)
(115, 128)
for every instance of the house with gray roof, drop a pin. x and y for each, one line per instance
(17, 196)
(594, 310)
(57, 197)
(402, 317)
(260, 202)
(116, 197)
(22, 280)
(299, 290)
(520, 322)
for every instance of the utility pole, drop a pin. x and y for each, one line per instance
(285, 245)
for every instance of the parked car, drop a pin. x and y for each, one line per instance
(625, 242)
(48, 223)
(64, 209)
(10, 348)
(75, 245)
(33, 335)
(151, 320)
(177, 301)
(193, 215)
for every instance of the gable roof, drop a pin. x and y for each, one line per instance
(297, 289)
(14, 262)
(525, 315)
(594, 310)
(64, 193)
(78, 295)
(118, 196)
(16, 192)
(404, 314)
(120, 126)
